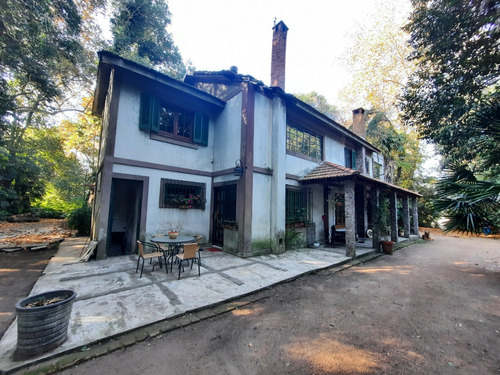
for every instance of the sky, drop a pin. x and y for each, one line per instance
(217, 34)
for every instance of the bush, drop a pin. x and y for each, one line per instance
(47, 213)
(80, 219)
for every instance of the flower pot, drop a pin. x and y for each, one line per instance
(43, 328)
(387, 246)
(173, 235)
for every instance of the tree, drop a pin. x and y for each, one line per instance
(140, 33)
(456, 48)
(320, 103)
(42, 61)
(378, 60)
(399, 148)
(453, 100)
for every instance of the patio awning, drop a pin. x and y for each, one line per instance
(334, 172)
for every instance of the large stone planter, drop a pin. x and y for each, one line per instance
(42, 328)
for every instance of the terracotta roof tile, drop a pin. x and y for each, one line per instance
(329, 170)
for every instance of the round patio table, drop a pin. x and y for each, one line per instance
(173, 244)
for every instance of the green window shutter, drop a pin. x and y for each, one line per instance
(200, 132)
(149, 117)
(353, 159)
(155, 114)
(145, 118)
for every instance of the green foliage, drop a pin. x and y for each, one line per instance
(453, 99)
(467, 201)
(79, 219)
(140, 33)
(320, 103)
(19, 182)
(428, 214)
(399, 148)
(456, 49)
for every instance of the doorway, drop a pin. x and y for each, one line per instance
(124, 216)
(224, 214)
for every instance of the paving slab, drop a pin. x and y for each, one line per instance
(113, 300)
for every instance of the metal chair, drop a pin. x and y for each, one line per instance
(190, 253)
(154, 252)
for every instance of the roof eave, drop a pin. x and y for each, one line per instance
(109, 61)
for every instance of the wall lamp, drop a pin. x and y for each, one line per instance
(238, 170)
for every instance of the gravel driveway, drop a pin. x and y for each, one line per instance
(432, 308)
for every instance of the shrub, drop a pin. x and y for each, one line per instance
(80, 219)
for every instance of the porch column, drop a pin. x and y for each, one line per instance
(414, 207)
(406, 216)
(393, 216)
(350, 219)
(376, 218)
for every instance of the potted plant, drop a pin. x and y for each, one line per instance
(173, 234)
(42, 322)
(386, 243)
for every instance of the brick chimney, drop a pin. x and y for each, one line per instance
(278, 57)
(358, 122)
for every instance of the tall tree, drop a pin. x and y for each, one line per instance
(453, 99)
(320, 103)
(400, 149)
(42, 61)
(378, 61)
(140, 33)
(456, 46)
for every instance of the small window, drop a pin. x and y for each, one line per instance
(182, 194)
(303, 141)
(350, 158)
(298, 207)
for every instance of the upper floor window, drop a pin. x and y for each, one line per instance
(169, 121)
(303, 141)
(350, 157)
(176, 123)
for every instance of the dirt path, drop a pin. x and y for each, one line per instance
(428, 309)
(20, 270)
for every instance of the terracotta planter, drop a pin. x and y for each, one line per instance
(43, 328)
(173, 235)
(387, 246)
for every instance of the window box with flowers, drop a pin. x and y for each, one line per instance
(182, 194)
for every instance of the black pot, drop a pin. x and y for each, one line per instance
(42, 328)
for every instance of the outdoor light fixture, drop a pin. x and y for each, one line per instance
(238, 170)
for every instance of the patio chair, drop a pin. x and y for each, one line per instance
(148, 250)
(190, 253)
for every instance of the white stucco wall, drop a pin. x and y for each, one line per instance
(227, 140)
(261, 209)
(263, 131)
(334, 150)
(298, 166)
(161, 220)
(132, 143)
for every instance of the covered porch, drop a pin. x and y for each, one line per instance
(360, 211)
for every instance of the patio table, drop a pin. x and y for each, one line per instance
(173, 244)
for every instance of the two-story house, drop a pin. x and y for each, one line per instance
(223, 155)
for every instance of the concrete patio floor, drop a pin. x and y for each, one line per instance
(112, 299)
